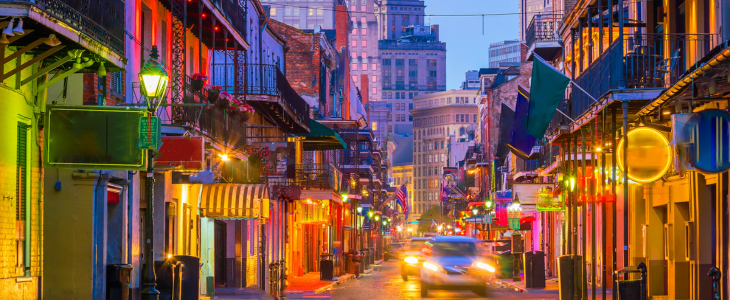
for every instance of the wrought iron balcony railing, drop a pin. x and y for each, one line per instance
(318, 176)
(649, 61)
(234, 13)
(543, 28)
(262, 79)
(102, 20)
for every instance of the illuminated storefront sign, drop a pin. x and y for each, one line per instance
(649, 155)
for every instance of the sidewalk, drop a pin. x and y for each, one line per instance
(310, 282)
(551, 284)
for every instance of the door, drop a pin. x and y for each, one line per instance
(220, 253)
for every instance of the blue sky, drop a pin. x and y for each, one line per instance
(466, 47)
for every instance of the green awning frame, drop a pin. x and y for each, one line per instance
(321, 137)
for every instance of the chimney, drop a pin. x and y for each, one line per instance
(342, 26)
(523, 52)
(364, 89)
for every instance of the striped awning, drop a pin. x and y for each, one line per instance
(234, 201)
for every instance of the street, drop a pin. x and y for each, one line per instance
(386, 283)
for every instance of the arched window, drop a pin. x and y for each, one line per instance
(462, 131)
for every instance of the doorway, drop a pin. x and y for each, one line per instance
(220, 253)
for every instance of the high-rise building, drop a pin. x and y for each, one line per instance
(364, 47)
(436, 118)
(471, 81)
(412, 59)
(504, 52)
(304, 14)
(528, 9)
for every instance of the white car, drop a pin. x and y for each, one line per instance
(454, 263)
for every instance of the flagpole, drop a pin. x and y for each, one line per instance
(584, 91)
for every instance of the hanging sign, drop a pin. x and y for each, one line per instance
(649, 155)
(149, 134)
(709, 137)
(487, 218)
(514, 223)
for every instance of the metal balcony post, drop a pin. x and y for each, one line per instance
(622, 76)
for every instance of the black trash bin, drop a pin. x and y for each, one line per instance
(326, 267)
(366, 258)
(534, 267)
(565, 277)
(629, 289)
(372, 255)
(117, 281)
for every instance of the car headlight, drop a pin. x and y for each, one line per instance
(487, 267)
(411, 260)
(431, 266)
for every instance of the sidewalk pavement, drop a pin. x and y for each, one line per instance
(551, 284)
(310, 282)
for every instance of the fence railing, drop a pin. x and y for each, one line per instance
(648, 61)
(234, 13)
(543, 28)
(102, 20)
(318, 176)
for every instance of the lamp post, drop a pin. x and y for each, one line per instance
(153, 79)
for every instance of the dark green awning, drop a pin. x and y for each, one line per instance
(321, 137)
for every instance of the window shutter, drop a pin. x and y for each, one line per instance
(21, 170)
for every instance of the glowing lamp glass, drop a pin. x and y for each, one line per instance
(649, 155)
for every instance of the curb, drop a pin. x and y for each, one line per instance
(511, 285)
(340, 279)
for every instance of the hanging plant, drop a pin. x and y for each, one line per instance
(224, 101)
(213, 92)
(244, 109)
(198, 81)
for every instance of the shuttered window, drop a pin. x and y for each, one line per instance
(22, 171)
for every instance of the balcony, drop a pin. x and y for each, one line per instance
(228, 19)
(542, 37)
(267, 90)
(94, 26)
(650, 62)
(318, 176)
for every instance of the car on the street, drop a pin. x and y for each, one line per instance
(393, 251)
(454, 263)
(412, 257)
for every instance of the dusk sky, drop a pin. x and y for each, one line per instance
(466, 47)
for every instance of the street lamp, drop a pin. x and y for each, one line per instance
(153, 79)
(359, 209)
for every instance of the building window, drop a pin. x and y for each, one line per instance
(413, 73)
(320, 12)
(375, 91)
(475, 118)
(364, 67)
(390, 128)
(462, 131)
(354, 31)
(410, 106)
(364, 55)
(354, 67)
(353, 43)
(354, 77)
(375, 126)
(375, 78)
(412, 62)
(273, 11)
(353, 8)
(311, 11)
(375, 67)
(410, 118)
(399, 62)
(364, 43)
(363, 20)
(353, 54)
(432, 73)
(364, 31)
(386, 61)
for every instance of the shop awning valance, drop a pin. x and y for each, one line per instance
(321, 137)
(234, 201)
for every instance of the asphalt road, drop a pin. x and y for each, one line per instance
(386, 283)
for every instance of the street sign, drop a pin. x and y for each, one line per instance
(514, 223)
(366, 227)
(149, 137)
(487, 218)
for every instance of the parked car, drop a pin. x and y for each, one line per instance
(454, 263)
(393, 251)
(412, 257)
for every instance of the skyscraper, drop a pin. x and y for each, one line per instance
(412, 59)
(528, 9)
(471, 80)
(364, 47)
(504, 52)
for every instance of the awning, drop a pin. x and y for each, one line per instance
(234, 201)
(321, 137)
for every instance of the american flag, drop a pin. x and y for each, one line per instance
(401, 196)
(443, 194)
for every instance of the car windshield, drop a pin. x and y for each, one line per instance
(416, 245)
(395, 246)
(454, 249)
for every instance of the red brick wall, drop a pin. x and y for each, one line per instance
(342, 32)
(92, 90)
(302, 59)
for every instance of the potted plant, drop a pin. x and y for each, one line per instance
(243, 109)
(198, 81)
(223, 99)
(213, 92)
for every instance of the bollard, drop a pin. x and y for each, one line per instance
(716, 275)
(644, 286)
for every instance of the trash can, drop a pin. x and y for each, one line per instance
(366, 258)
(372, 255)
(629, 289)
(534, 267)
(117, 281)
(326, 267)
(362, 262)
(565, 277)
(504, 262)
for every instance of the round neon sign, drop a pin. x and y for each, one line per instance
(649, 155)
